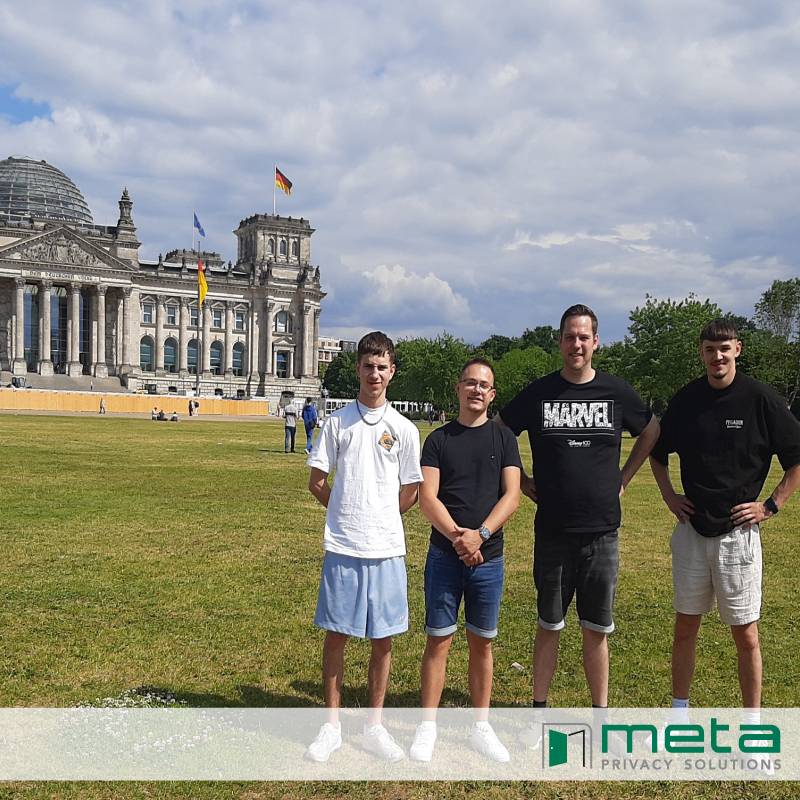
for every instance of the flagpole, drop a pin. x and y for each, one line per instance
(275, 172)
(199, 341)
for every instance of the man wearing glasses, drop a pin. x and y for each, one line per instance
(471, 472)
(575, 418)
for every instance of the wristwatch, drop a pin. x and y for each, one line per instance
(484, 532)
(771, 506)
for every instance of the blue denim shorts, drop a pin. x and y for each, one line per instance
(366, 597)
(447, 580)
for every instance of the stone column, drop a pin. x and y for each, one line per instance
(229, 338)
(159, 335)
(183, 336)
(268, 366)
(126, 331)
(290, 366)
(19, 366)
(308, 340)
(206, 360)
(317, 313)
(100, 366)
(74, 367)
(45, 359)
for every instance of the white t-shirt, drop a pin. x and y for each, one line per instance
(371, 463)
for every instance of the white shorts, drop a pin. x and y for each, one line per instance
(726, 567)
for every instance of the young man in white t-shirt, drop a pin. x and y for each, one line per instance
(375, 453)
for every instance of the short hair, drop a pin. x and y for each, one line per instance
(376, 343)
(483, 362)
(308, 400)
(578, 310)
(719, 330)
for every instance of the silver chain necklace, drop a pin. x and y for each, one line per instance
(365, 420)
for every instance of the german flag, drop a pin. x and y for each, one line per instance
(202, 285)
(282, 182)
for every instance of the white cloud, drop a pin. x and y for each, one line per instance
(510, 162)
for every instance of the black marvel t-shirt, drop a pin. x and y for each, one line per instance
(726, 439)
(470, 463)
(575, 431)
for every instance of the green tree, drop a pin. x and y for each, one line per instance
(517, 368)
(496, 346)
(341, 379)
(428, 369)
(663, 345)
(544, 336)
(778, 310)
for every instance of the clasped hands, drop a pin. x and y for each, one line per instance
(468, 546)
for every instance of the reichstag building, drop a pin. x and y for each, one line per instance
(76, 299)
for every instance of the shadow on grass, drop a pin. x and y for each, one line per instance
(308, 695)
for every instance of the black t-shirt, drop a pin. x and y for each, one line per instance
(470, 463)
(726, 439)
(575, 431)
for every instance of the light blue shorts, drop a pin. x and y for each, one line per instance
(364, 597)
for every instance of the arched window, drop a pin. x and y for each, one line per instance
(215, 353)
(146, 349)
(283, 322)
(238, 359)
(295, 248)
(171, 355)
(271, 246)
(283, 247)
(191, 357)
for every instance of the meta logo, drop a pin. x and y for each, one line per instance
(569, 743)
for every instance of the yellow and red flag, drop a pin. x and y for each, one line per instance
(202, 285)
(282, 182)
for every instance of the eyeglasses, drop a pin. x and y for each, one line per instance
(472, 384)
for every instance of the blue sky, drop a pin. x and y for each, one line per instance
(464, 170)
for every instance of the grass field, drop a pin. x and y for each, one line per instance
(186, 557)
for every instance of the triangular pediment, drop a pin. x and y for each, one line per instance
(62, 247)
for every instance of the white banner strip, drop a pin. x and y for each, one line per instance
(269, 744)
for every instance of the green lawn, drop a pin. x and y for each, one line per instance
(185, 557)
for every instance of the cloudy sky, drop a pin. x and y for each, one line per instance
(465, 170)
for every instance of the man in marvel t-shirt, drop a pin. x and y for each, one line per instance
(575, 418)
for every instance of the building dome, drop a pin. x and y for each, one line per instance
(31, 188)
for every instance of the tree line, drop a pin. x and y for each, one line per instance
(658, 355)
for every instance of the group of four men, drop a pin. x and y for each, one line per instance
(724, 426)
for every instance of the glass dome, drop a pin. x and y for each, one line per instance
(31, 188)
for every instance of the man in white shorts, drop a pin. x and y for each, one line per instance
(375, 452)
(725, 427)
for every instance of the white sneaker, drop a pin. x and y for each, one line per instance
(424, 740)
(485, 741)
(531, 735)
(379, 742)
(329, 740)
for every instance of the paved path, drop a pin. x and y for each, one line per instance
(137, 415)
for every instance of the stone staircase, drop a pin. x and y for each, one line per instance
(65, 383)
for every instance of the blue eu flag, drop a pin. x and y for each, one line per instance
(199, 226)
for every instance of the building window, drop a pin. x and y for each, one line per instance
(295, 248)
(215, 354)
(283, 247)
(238, 359)
(171, 355)
(172, 315)
(271, 247)
(193, 316)
(283, 322)
(147, 313)
(216, 317)
(146, 355)
(30, 316)
(282, 364)
(238, 320)
(191, 357)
